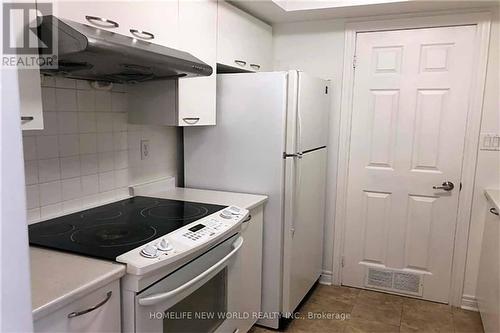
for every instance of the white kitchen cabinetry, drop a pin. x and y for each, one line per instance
(249, 263)
(188, 101)
(105, 318)
(153, 21)
(488, 281)
(198, 36)
(243, 41)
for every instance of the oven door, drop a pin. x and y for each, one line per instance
(195, 298)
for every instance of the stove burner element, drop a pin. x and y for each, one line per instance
(113, 234)
(102, 214)
(52, 229)
(175, 211)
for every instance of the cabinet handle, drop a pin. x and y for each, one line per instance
(191, 121)
(142, 34)
(256, 66)
(241, 62)
(27, 118)
(494, 211)
(102, 22)
(79, 313)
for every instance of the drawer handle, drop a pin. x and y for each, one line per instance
(255, 66)
(102, 22)
(191, 121)
(79, 313)
(241, 62)
(494, 211)
(142, 34)
(247, 219)
(27, 118)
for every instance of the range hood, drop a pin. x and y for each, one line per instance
(89, 53)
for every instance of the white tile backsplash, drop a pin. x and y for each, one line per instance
(47, 146)
(49, 170)
(87, 154)
(66, 100)
(70, 167)
(71, 188)
(50, 193)
(86, 100)
(68, 122)
(69, 145)
(31, 172)
(88, 143)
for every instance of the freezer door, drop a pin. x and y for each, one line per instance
(304, 223)
(313, 101)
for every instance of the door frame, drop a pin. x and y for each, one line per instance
(482, 19)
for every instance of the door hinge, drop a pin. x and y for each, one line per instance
(354, 62)
(326, 90)
(342, 261)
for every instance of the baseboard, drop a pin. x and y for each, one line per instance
(326, 278)
(469, 303)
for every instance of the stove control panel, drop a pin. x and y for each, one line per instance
(183, 241)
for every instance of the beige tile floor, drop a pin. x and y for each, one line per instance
(368, 311)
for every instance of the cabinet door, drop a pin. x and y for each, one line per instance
(106, 318)
(154, 21)
(198, 36)
(107, 15)
(243, 41)
(250, 264)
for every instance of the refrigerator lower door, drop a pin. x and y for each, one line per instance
(304, 224)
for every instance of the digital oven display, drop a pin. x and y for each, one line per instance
(196, 227)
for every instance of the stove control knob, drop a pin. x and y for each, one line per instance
(226, 214)
(150, 251)
(164, 245)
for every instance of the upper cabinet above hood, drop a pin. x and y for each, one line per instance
(90, 53)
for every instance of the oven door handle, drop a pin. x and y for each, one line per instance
(156, 298)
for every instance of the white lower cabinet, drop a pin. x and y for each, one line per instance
(75, 316)
(249, 264)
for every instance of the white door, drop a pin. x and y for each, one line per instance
(411, 94)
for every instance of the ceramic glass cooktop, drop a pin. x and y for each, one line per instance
(110, 230)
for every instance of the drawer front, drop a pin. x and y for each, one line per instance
(105, 318)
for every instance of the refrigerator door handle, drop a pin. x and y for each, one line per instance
(295, 155)
(296, 193)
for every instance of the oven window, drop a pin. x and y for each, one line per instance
(202, 311)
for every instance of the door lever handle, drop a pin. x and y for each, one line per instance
(447, 186)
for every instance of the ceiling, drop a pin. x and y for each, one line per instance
(279, 11)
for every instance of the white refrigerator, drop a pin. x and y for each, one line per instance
(270, 138)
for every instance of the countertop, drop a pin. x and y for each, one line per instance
(242, 200)
(59, 278)
(494, 197)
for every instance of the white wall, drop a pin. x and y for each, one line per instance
(317, 47)
(488, 166)
(15, 299)
(87, 154)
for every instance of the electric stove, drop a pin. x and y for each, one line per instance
(113, 229)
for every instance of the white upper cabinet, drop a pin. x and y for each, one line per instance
(153, 21)
(243, 41)
(190, 101)
(198, 36)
